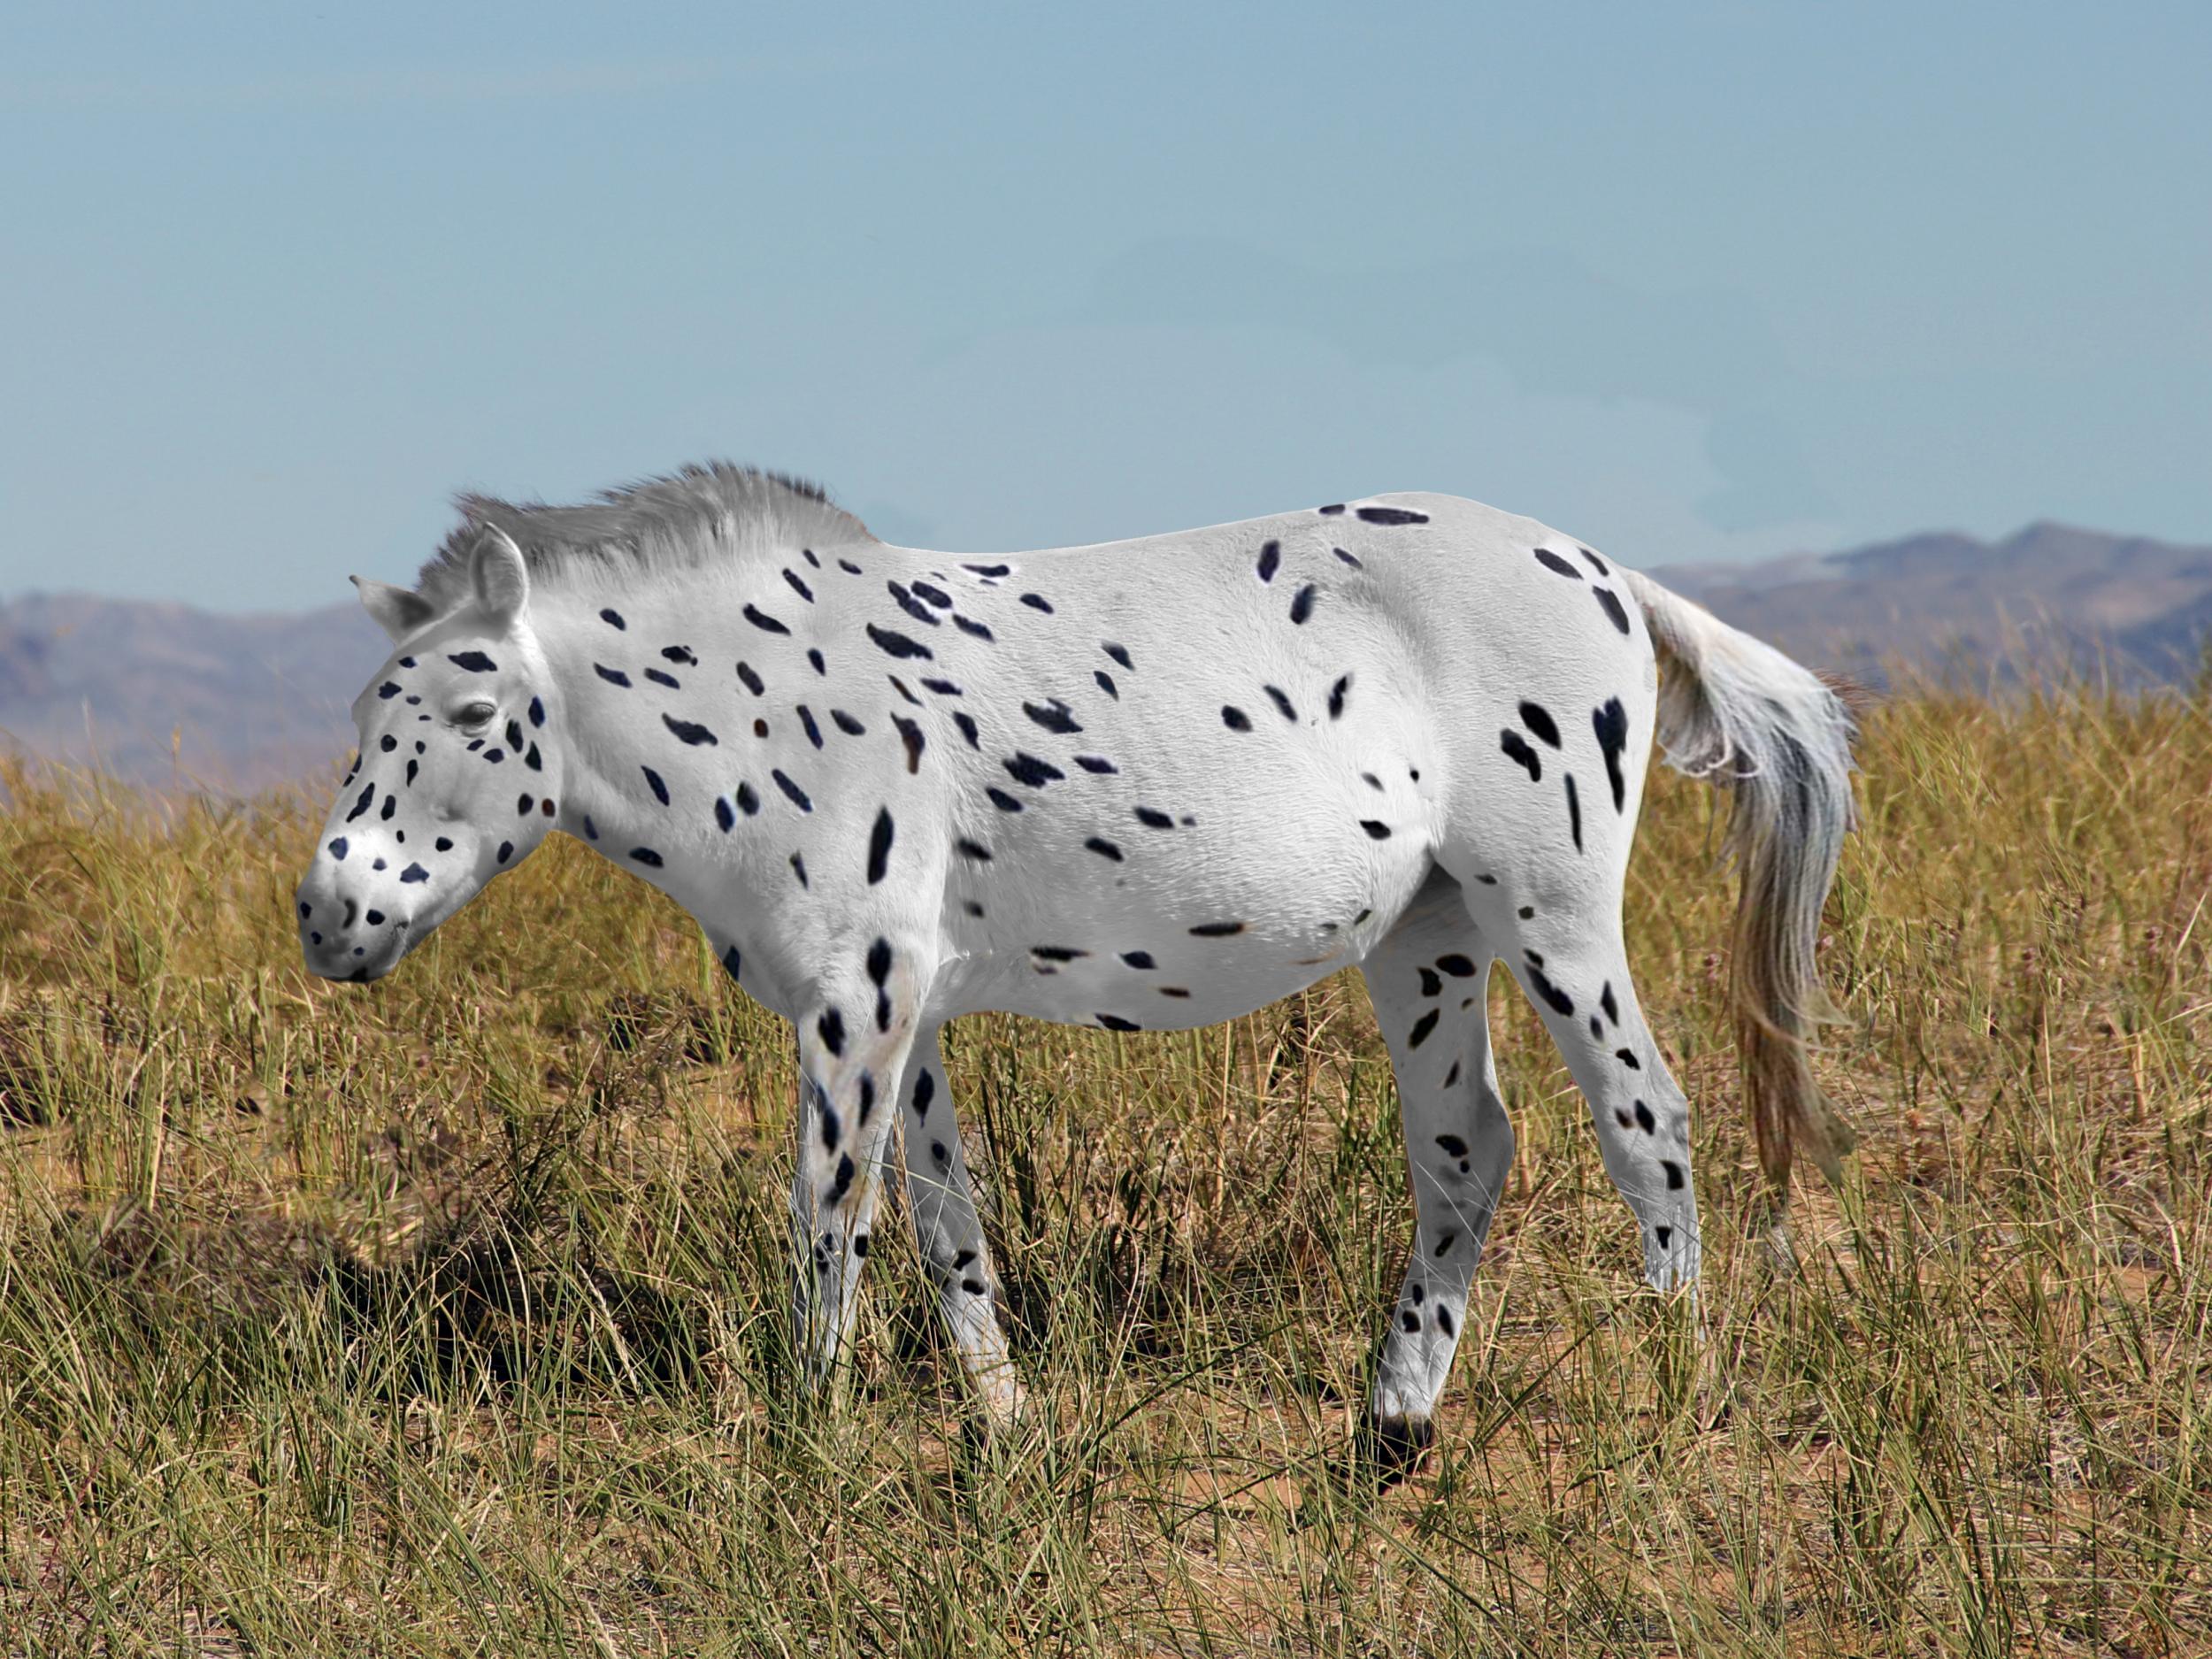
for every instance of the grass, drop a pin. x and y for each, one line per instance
(444, 1315)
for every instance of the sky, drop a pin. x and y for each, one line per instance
(1687, 281)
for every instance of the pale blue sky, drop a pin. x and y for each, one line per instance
(1689, 282)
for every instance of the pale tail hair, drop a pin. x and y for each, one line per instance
(1736, 712)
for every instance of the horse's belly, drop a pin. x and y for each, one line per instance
(1146, 944)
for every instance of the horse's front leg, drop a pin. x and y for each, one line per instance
(854, 1040)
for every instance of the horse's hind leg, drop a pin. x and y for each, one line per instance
(1426, 981)
(949, 1231)
(1570, 961)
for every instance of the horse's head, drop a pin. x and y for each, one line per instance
(451, 787)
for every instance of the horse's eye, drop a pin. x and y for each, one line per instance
(475, 713)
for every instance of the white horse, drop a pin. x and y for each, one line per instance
(1148, 785)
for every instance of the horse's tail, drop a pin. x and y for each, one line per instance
(1736, 712)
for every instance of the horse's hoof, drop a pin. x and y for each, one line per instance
(1392, 1448)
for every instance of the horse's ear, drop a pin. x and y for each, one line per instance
(501, 579)
(399, 612)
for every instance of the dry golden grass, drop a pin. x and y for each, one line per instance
(444, 1315)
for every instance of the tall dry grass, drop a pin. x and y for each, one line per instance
(443, 1316)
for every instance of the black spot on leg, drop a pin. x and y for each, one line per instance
(1453, 1145)
(1422, 1027)
(843, 1183)
(1674, 1174)
(1606, 1001)
(1458, 966)
(830, 1029)
(1516, 749)
(1665, 1236)
(880, 847)
(925, 1092)
(1574, 812)
(1628, 1057)
(1451, 1078)
(1561, 1003)
(1443, 1247)
(1431, 985)
(1444, 1319)
(1410, 1321)
(1645, 1121)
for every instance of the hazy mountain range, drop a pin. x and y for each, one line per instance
(259, 700)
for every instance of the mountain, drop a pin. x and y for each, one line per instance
(252, 700)
(261, 699)
(2050, 596)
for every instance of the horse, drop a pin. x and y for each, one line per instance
(1146, 785)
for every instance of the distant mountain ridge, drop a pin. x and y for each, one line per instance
(2052, 594)
(260, 699)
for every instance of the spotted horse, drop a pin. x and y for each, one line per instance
(1148, 785)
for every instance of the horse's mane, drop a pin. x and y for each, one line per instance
(696, 515)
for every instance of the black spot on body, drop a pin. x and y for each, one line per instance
(1611, 604)
(797, 795)
(1281, 701)
(1103, 848)
(1337, 694)
(613, 676)
(1391, 514)
(1609, 721)
(690, 731)
(1235, 718)
(658, 679)
(1574, 812)
(1026, 768)
(1052, 715)
(1216, 930)
(645, 856)
(751, 681)
(1538, 719)
(1517, 749)
(762, 620)
(1115, 1022)
(653, 782)
(1301, 604)
(1271, 556)
(1377, 830)
(1551, 561)
(898, 644)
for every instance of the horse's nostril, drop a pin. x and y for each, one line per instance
(376, 918)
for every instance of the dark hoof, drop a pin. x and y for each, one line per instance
(1392, 1448)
